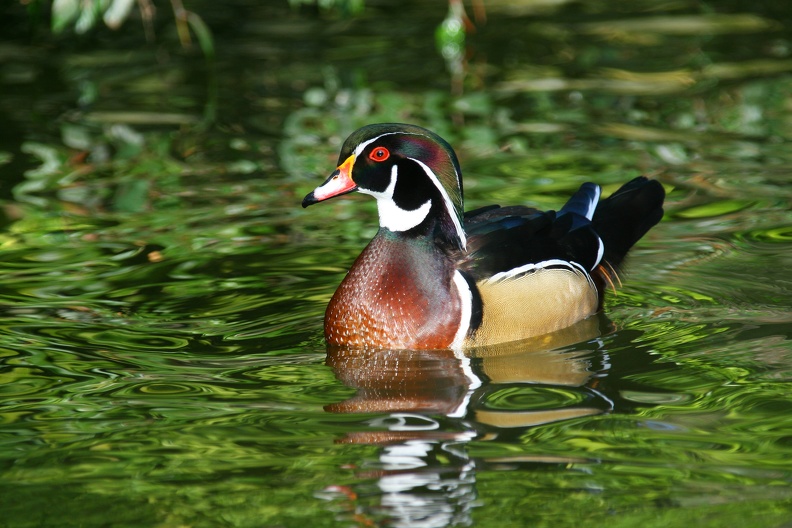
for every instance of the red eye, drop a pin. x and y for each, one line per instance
(379, 154)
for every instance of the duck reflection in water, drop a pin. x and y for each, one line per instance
(432, 402)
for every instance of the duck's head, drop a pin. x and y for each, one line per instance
(412, 172)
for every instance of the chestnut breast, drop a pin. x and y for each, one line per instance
(398, 294)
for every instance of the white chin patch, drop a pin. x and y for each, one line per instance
(392, 216)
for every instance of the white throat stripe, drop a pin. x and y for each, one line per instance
(392, 216)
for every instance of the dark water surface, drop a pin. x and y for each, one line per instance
(162, 292)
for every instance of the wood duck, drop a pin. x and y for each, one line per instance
(435, 277)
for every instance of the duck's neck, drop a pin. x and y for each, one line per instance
(430, 224)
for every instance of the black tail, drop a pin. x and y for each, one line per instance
(625, 216)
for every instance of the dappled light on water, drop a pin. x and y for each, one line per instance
(162, 292)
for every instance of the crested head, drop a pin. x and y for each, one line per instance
(415, 142)
(412, 172)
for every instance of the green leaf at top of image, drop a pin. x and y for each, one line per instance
(719, 208)
(89, 14)
(64, 12)
(117, 13)
(450, 34)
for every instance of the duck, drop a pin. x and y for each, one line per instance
(435, 277)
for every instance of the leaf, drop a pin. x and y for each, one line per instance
(89, 13)
(64, 12)
(202, 33)
(719, 208)
(117, 13)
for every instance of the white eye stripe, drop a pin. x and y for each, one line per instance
(360, 148)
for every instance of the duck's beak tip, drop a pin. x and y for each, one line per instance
(309, 199)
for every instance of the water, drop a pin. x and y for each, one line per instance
(162, 292)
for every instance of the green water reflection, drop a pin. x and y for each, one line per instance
(162, 292)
